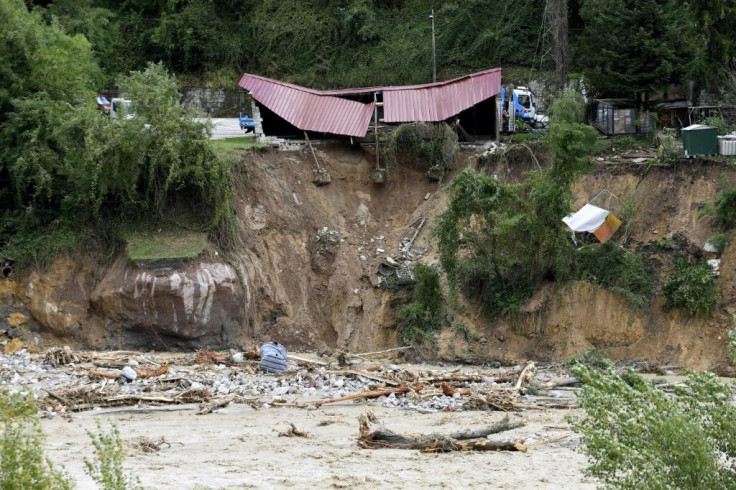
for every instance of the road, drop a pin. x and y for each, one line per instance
(225, 127)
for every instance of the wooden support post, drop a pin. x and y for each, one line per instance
(314, 155)
(375, 126)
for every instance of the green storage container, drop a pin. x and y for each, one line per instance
(699, 140)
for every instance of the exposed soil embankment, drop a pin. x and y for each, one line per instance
(309, 261)
(560, 321)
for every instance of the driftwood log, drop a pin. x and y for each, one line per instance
(374, 435)
(370, 394)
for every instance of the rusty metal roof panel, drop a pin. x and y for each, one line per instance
(439, 101)
(308, 109)
(325, 111)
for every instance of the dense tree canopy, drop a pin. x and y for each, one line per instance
(65, 165)
(624, 47)
(631, 47)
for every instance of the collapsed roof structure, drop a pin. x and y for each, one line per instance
(292, 109)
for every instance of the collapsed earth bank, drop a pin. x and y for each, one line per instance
(307, 270)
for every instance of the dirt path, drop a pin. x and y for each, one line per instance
(240, 447)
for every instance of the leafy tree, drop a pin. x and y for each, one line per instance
(67, 168)
(499, 242)
(637, 436)
(632, 47)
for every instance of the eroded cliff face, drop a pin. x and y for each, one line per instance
(125, 304)
(188, 301)
(308, 269)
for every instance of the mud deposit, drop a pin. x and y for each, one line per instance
(241, 448)
(243, 442)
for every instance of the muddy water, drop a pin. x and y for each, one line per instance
(240, 448)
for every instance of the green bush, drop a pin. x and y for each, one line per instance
(107, 467)
(691, 286)
(426, 144)
(23, 465)
(614, 268)
(719, 123)
(668, 150)
(720, 242)
(637, 436)
(725, 208)
(422, 316)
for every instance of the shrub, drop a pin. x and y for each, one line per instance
(107, 467)
(429, 145)
(668, 150)
(720, 242)
(22, 462)
(719, 123)
(422, 316)
(613, 268)
(725, 208)
(636, 436)
(691, 286)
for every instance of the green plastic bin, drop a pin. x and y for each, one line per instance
(700, 140)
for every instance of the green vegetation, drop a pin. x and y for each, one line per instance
(499, 242)
(720, 241)
(725, 208)
(592, 358)
(718, 122)
(106, 469)
(668, 150)
(614, 268)
(70, 175)
(629, 47)
(431, 146)
(422, 316)
(23, 465)
(618, 144)
(622, 48)
(691, 286)
(165, 245)
(732, 341)
(637, 436)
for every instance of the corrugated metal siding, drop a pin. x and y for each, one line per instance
(437, 102)
(324, 111)
(308, 110)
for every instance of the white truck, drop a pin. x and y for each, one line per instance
(519, 109)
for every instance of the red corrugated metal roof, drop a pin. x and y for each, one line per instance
(325, 111)
(307, 109)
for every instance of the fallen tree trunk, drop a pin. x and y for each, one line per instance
(373, 435)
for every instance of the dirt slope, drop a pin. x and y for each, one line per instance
(312, 252)
(310, 257)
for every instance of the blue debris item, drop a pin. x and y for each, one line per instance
(273, 357)
(247, 124)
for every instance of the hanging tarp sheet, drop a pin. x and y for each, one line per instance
(592, 219)
(589, 219)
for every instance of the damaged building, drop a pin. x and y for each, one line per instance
(287, 110)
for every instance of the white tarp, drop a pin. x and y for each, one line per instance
(589, 219)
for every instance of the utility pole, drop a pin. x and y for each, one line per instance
(434, 51)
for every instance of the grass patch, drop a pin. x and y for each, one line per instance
(168, 244)
(240, 142)
(234, 147)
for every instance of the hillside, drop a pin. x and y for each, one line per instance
(309, 270)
